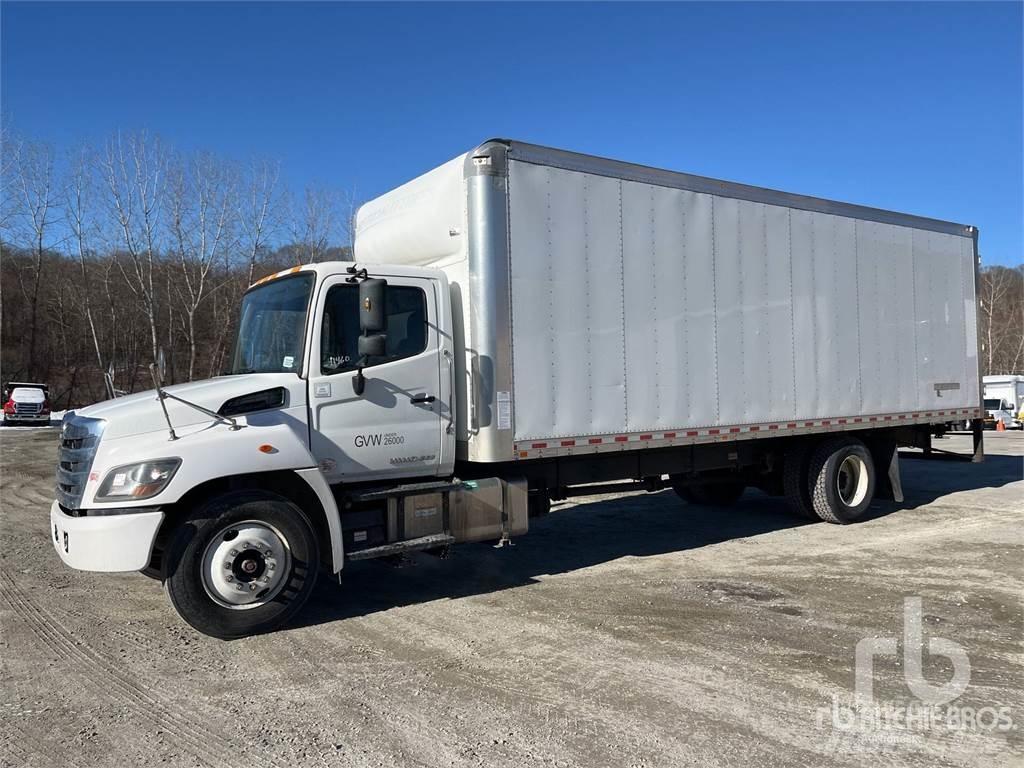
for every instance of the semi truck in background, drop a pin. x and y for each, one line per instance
(523, 324)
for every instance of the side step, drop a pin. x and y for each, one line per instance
(376, 494)
(398, 547)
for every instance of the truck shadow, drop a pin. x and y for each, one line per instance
(590, 532)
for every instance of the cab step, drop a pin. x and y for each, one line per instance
(400, 547)
(411, 489)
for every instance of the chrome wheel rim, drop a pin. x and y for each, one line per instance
(245, 565)
(852, 481)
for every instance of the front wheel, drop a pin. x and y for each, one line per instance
(242, 563)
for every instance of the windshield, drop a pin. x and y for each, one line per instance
(993, 403)
(272, 327)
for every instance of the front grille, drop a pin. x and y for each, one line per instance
(28, 409)
(79, 438)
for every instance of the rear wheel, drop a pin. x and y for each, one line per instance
(243, 563)
(841, 480)
(794, 482)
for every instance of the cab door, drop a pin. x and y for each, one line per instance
(396, 427)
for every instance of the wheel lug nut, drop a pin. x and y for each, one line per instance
(227, 565)
(234, 553)
(229, 577)
(252, 587)
(238, 587)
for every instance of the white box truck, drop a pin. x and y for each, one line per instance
(1004, 400)
(522, 324)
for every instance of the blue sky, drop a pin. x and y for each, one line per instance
(915, 107)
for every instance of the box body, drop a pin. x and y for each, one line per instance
(607, 306)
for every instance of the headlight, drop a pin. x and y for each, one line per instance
(137, 481)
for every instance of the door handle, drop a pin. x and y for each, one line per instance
(419, 399)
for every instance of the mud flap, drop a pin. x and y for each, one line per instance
(887, 470)
(895, 484)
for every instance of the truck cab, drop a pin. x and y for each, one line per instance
(330, 435)
(999, 411)
(400, 424)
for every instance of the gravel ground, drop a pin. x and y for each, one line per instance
(625, 630)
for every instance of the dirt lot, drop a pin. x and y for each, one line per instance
(623, 631)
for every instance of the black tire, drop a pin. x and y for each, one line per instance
(185, 563)
(794, 482)
(841, 480)
(715, 495)
(538, 503)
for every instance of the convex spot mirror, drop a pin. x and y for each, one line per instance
(372, 345)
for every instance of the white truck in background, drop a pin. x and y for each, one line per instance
(524, 324)
(26, 402)
(1004, 400)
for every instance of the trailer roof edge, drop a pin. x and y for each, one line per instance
(601, 166)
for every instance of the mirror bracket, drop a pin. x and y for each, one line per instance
(356, 273)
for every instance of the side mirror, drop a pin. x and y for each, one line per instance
(372, 323)
(372, 297)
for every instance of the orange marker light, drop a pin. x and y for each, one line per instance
(267, 448)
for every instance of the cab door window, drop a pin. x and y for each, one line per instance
(406, 327)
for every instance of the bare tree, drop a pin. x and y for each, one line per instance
(201, 206)
(33, 184)
(259, 210)
(134, 170)
(1001, 310)
(111, 253)
(10, 147)
(315, 222)
(79, 216)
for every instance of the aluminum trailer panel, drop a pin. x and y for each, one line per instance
(608, 306)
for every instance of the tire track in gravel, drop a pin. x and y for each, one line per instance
(11, 751)
(26, 489)
(15, 737)
(207, 746)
